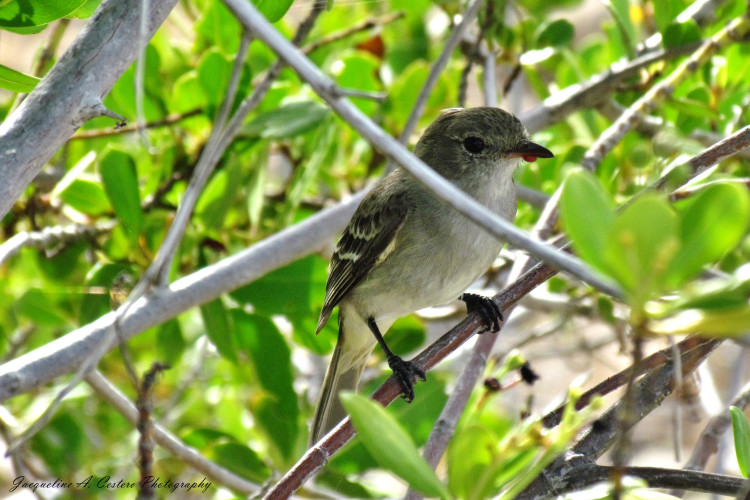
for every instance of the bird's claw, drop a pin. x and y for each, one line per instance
(406, 373)
(487, 309)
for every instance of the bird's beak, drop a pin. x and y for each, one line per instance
(530, 151)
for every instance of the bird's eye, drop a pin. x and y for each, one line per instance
(474, 145)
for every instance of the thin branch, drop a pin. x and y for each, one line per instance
(109, 393)
(647, 394)
(708, 442)
(51, 236)
(656, 477)
(167, 120)
(351, 30)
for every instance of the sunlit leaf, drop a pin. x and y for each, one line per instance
(275, 407)
(391, 447)
(587, 216)
(712, 225)
(35, 12)
(120, 180)
(273, 9)
(219, 328)
(741, 430)
(15, 81)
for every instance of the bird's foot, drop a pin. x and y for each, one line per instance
(486, 308)
(406, 373)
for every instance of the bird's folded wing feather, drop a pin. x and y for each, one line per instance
(366, 242)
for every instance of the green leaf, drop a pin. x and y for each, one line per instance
(297, 289)
(120, 180)
(170, 342)
(15, 81)
(214, 71)
(35, 305)
(741, 430)
(391, 446)
(472, 450)
(241, 460)
(219, 196)
(289, 120)
(275, 408)
(216, 319)
(722, 323)
(406, 334)
(678, 34)
(620, 11)
(665, 11)
(273, 9)
(556, 33)
(86, 196)
(35, 12)
(713, 224)
(587, 216)
(85, 10)
(641, 244)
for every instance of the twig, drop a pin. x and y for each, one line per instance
(351, 30)
(145, 426)
(164, 438)
(51, 236)
(647, 394)
(656, 477)
(168, 120)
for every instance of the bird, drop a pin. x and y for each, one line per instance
(404, 249)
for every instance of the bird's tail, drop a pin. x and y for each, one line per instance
(347, 364)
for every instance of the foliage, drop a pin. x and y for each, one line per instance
(246, 366)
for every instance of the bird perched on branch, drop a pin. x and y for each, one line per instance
(404, 249)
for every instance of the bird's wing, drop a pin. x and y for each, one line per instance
(366, 242)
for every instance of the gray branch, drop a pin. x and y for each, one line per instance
(67, 353)
(71, 93)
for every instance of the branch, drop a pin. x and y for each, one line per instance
(169, 441)
(66, 354)
(620, 379)
(167, 120)
(50, 236)
(351, 30)
(656, 477)
(647, 394)
(71, 93)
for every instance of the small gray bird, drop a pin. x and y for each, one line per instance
(404, 249)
